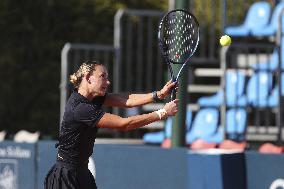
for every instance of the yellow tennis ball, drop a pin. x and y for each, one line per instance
(225, 40)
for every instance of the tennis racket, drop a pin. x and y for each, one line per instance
(178, 37)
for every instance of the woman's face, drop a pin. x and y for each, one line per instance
(99, 81)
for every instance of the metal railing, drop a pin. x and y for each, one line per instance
(139, 65)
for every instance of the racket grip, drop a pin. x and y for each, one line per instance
(173, 94)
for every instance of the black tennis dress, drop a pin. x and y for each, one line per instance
(76, 141)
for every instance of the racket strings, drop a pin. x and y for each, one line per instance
(180, 36)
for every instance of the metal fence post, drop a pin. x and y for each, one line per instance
(178, 137)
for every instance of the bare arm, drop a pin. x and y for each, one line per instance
(133, 100)
(125, 124)
(128, 100)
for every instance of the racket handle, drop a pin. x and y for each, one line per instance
(173, 94)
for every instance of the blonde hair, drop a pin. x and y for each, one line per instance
(85, 68)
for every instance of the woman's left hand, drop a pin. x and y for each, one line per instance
(166, 90)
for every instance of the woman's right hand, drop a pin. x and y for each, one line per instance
(171, 107)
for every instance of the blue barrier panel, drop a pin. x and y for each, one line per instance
(126, 166)
(216, 171)
(133, 166)
(46, 158)
(264, 170)
(140, 167)
(17, 165)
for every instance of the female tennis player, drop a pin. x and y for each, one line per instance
(84, 116)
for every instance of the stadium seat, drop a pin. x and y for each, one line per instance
(270, 65)
(233, 145)
(209, 142)
(201, 144)
(270, 28)
(273, 99)
(160, 136)
(2, 135)
(236, 124)
(257, 17)
(204, 125)
(235, 130)
(25, 136)
(154, 137)
(131, 111)
(217, 137)
(235, 82)
(211, 101)
(235, 85)
(269, 148)
(258, 89)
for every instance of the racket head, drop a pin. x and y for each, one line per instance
(178, 36)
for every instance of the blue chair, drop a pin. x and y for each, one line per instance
(160, 136)
(258, 89)
(272, 27)
(204, 126)
(236, 120)
(216, 137)
(211, 101)
(270, 65)
(273, 99)
(235, 84)
(257, 17)
(154, 137)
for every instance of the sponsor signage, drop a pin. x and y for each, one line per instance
(17, 165)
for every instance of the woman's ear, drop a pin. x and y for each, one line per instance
(88, 78)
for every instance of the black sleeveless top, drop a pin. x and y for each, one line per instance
(78, 128)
